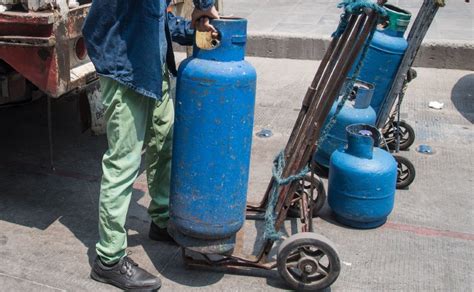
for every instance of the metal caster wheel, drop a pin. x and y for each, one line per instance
(318, 199)
(406, 172)
(308, 261)
(407, 135)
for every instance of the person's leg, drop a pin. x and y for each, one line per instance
(158, 157)
(126, 117)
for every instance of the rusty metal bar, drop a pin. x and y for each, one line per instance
(27, 41)
(50, 133)
(230, 264)
(311, 206)
(304, 213)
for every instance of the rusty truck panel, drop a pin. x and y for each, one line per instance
(47, 48)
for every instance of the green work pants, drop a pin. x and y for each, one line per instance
(133, 121)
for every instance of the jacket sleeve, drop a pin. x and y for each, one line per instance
(180, 29)
(203, 4)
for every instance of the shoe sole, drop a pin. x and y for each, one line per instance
(98, 278)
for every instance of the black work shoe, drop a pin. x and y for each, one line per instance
(125, 275)
(159, 234)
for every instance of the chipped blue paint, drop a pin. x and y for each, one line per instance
(212, 138)
(362, 180)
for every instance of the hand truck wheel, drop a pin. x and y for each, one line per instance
(407, 135)
(318, 200)
(308, 261)
(406, 172)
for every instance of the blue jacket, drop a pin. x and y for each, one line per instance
(126, 40)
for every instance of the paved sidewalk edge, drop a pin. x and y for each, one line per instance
(433, 54)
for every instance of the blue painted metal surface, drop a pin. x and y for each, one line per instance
(212, 140)
(362, 180)
(356, 110)
(385, 54)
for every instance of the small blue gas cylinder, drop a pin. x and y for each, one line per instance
(362, 180)
(385, 54)
(215, 102)
(356, 110)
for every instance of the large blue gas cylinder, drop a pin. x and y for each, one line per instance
(385, 54)
(356, 110)
(215, 102)
(362, 180)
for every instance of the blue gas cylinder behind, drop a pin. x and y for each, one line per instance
(362, 180)
(212, 142)
(356, 110)
(385, 54)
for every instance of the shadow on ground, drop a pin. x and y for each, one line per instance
(462, 97)
(33, 195)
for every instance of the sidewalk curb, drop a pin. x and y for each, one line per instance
(433, 54)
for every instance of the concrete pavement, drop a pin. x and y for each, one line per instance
(48, 220)
(300, 29)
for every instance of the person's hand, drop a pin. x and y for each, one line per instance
(201, 20)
